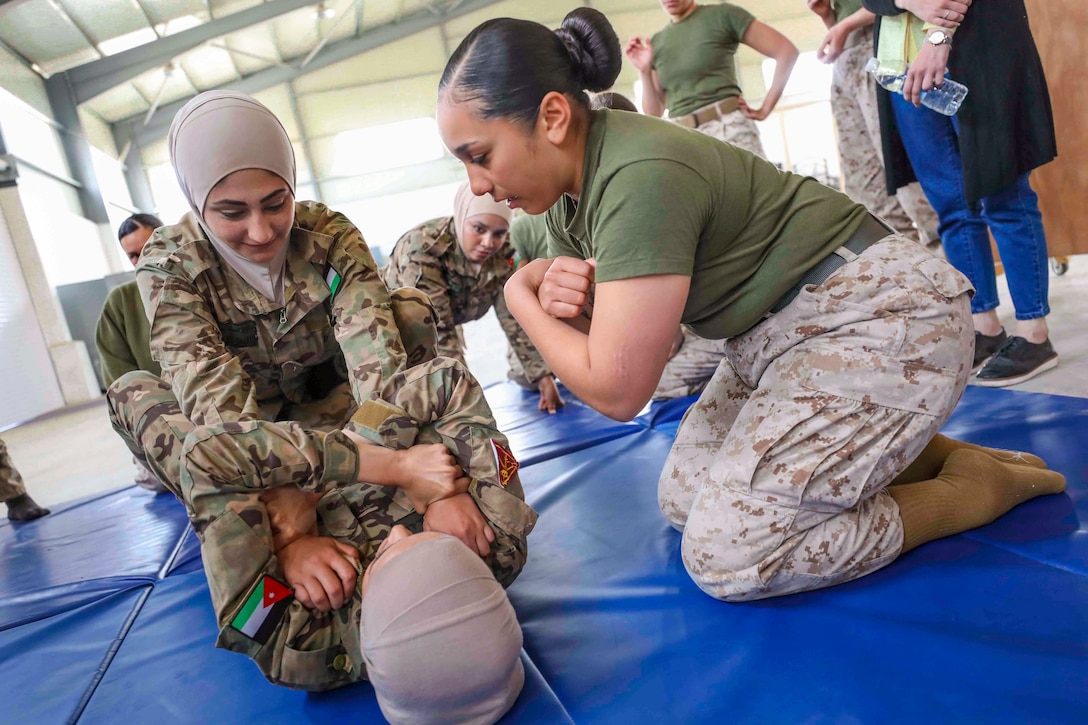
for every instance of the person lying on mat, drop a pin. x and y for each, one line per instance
(812, 457)
(423, 616)
(267, 314)
(462, 262)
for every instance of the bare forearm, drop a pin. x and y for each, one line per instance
(566, 348)
(783, 66)
(653, 100)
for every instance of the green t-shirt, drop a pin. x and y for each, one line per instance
(657, 198)
(529, 237)
(695, 58)
(845, 8)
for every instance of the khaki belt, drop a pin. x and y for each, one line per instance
(713, 112)
(871, 231)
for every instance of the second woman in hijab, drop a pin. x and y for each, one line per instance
(462, 263)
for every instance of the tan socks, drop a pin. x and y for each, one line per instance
(931, 460)
(972, 489)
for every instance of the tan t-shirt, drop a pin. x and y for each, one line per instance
(695, 58)
(657, 198)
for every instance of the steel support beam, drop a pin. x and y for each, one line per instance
(139, 187)
(159, 123)
(76, 149)
(98, 76)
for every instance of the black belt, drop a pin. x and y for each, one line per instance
(871, 231)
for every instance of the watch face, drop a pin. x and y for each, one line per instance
(937, 37)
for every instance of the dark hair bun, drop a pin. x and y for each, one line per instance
(593, 46)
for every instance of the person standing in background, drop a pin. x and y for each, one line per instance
(848, 45)
(974, 166)
(689, 68)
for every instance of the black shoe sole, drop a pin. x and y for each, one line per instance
(1023, 377)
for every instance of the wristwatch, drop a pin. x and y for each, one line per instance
(939, 37)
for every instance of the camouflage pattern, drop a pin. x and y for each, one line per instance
(429, 258)
(778, 474)
(737, 129)
(226, 467)
(146, 479)
(147, 415)
(11, 483)
(231, 354)
(690, 369)
(853, 104)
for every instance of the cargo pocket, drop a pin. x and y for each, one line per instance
(945, 278)
(884, 381)
(314, 670)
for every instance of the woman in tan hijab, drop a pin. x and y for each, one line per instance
(298, 415)
(462, 262)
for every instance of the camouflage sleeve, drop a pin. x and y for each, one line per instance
(301, 650)
(255, 455)
(365, 326)
(531, 361)
(411, 266)
(207, 378)
(444, 392)
(511, 519)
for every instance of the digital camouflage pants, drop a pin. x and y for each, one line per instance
(778, 474)
(853, 104)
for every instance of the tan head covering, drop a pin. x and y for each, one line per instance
(467, 205)
(216, 134)
(440, 639)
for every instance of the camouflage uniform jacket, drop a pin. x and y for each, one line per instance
(430, 259)
(231, 354)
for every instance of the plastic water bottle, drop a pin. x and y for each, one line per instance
(945, 98)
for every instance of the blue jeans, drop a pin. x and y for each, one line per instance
(1012, 215)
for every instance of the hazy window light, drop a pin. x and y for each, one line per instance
(389, 146)
(170, 203)
(383, 220)
(128, 41)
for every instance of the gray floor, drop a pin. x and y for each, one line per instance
(76, 453)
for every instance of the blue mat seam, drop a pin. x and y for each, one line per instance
(107, 659)
(976, 537)
(164, 570)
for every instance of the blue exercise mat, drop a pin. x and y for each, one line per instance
(105, 604)
(48, 667)
(537, 436)
(84, 549)
(167, 670)
(955, 631)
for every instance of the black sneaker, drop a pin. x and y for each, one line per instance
(1017, 360)
(986, 346)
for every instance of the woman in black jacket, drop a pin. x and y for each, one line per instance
(974, 167)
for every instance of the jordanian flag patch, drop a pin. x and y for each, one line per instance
(505, 462)
(263, 610)
(332, 279)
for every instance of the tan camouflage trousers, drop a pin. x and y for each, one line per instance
(690, 369)
(853, 104)
(778, 474)
(737, 129)
(11, 483)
